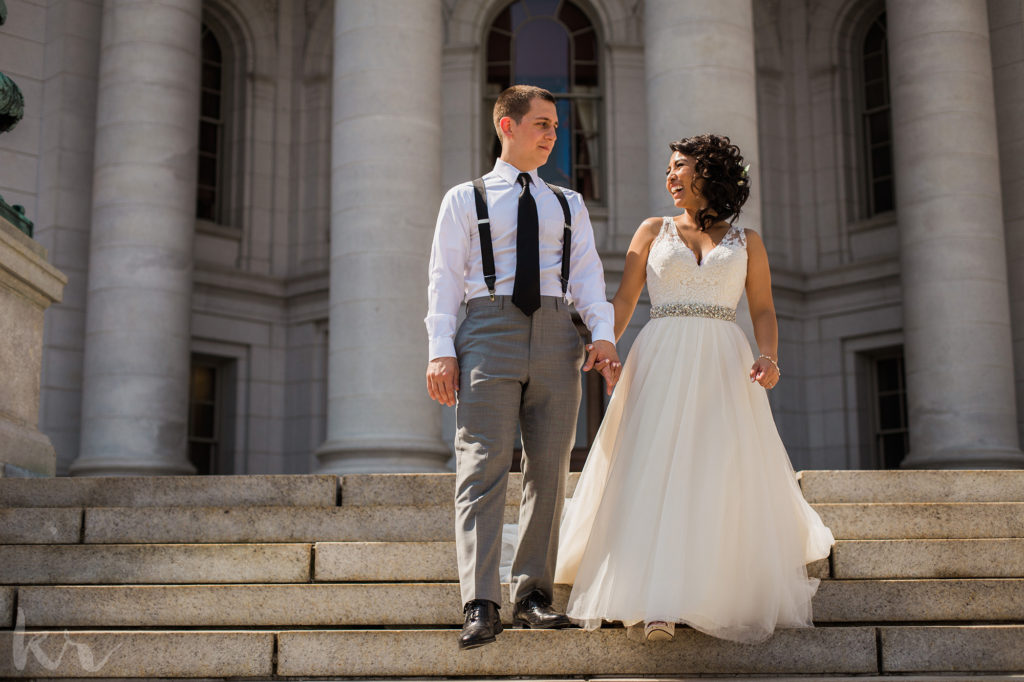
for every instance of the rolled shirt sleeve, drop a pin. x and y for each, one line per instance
(447, 275)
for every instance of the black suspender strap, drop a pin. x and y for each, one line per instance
(483, 226)
(566, 235)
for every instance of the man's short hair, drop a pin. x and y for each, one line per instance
(514, 102)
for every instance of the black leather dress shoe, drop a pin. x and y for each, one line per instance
(482, 624)
(534, 611)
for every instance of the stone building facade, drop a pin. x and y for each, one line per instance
(242, 194)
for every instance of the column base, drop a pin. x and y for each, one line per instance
(964, 458)
(117, 466)
(382, 456)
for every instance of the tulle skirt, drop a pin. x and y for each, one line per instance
(688, 509)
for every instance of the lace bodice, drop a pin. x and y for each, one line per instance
(673, 275)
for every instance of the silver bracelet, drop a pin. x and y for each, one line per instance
(769, 359)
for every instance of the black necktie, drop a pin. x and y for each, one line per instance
(526, 291)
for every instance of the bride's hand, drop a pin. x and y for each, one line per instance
(765, 372)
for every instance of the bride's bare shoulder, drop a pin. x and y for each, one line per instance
(648, 230)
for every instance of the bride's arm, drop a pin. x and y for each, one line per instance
(634, 274)
(762, 312)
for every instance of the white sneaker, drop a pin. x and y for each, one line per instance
(659, 631)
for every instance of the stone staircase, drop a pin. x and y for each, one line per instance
(268, 577)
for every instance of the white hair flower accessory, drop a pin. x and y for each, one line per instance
(744, 176)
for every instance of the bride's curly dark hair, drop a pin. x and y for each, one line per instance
(726, 181)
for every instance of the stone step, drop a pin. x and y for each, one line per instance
(570, 652)
(112, 655)
(237, 563)
(433, 604)
(436, 523)
(7, 607)
(170, 491)
(817, 486)
(607, 652)
(882, 520)
(978, 558)
(127, 564)
(272, 524)
(913, 486)
(820, 652)
(371, 490)
(39, 525)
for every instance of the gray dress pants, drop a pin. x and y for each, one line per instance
(513, 369)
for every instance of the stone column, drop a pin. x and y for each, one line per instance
(1006, 22)
(956, 316)
(385, 190)
(701, 78)
(136, 369)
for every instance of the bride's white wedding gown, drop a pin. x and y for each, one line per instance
(688, 509)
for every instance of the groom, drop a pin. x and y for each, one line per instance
(515, 359)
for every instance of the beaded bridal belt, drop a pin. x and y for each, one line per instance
(718, 312)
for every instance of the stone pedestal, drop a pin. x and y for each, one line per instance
(385, 190)
(28, 285)
(959, 360)
(139, 304)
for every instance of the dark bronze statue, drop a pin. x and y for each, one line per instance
(12, 109)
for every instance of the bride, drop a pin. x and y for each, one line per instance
(687, 510)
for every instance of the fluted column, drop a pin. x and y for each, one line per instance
(1006, 22)
(385, 190)
(959, 361)
(701, 78)
(136, 368)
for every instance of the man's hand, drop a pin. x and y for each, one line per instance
(601, 355)
(443, 380)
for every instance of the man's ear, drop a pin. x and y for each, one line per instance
(505, 125)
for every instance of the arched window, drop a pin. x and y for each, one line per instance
(553, 44)
(211, 130)
(876, 119)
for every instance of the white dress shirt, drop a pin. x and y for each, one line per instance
(456, 265)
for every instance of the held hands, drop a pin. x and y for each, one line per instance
(443, 380)
(601, 355)
(765, 371)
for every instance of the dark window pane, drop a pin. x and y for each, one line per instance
(876, 95)
(573, 18)
(873, 67)
(894, 449)
(202, 421)
(210, 105)
(879, 127)
(586, 76)
(202, 384)
(499, 75)
(585, 45)
(201, 456)
(885, 196)
(499, 47)
(211, 76)
(211, 48)
(205, 200)
(535, 7)
(881, 161)
(208, 133)
(890, 412)
(887, 374)
(875, 39)
(542, 55)
(207, 171)
(503, 21)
